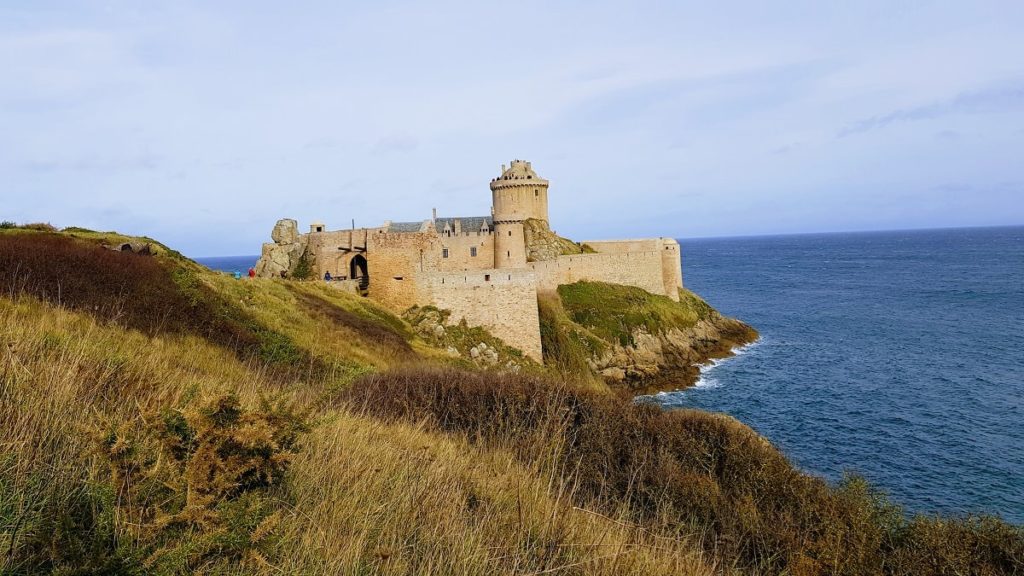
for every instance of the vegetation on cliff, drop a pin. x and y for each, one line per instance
(543, 244)
(269, 427)
(633, 337)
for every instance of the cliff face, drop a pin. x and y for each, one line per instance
(671, 359)
(634, 339)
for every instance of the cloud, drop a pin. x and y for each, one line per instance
(994, 99)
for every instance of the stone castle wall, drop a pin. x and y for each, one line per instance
(324, 248)
(502, 301)
(460, 252)
(641, 269)
(670, 254)
(395, 260)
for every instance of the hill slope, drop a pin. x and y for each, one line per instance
(156, 417)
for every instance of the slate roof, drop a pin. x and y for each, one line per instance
(406, 226)
(469, 223)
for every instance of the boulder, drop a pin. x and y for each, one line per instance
(286, 231)
(284, 253)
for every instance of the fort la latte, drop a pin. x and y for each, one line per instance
(486, 270)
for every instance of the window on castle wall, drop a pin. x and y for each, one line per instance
(444, 253)
(472, 251)
(536, 193)
(487, 277)
(509, 232)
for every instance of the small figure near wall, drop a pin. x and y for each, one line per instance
(327, 276)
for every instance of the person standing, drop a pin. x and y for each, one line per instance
(252, 272)
(327, 276)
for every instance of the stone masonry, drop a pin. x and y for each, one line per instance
(480, 268)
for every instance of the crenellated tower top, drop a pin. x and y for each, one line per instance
(519, 193)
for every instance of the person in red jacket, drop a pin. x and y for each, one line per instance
(252, 272)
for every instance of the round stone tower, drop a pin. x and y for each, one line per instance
(518, 194)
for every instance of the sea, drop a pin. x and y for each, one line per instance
(229, 264)
(896, 356)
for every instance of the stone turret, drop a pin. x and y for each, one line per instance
(517, 194)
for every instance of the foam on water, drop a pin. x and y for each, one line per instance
(705, 381)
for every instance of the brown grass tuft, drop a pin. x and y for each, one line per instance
(688, 472)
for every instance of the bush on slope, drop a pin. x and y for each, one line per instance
(689, 472)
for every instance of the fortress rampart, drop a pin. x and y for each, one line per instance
(640, 269)
(476, 267)
(503, 301)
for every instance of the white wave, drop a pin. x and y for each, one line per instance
(705, 381)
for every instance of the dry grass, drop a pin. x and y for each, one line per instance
(688, 472)
(397, 499)
(110, 428)
(361, 497)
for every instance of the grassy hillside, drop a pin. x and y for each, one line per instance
(638, 340)
(159, 418)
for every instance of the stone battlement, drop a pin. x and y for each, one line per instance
(474, 266)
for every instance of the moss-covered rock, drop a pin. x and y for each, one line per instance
(543, 244)
(634, 338)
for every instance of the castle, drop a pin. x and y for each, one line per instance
(486, 270)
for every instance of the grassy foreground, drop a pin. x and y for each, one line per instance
(159, 418)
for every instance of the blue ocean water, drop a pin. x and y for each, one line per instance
(896, 355)
(229, 264)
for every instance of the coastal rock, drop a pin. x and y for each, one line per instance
(286, 231)
(671, 359)
(277, 258)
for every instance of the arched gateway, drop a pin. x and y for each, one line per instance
(359, 271)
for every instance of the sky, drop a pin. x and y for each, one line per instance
(201, 123)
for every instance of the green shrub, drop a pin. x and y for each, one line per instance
(567, 346)
(208, 494)
(7, 224)
(303, 268)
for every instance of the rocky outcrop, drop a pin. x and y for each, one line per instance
(281, 257)
(286, 231)
(469, 344)
(136, 246)
(543, 244)
(634, 339)
(671, 359)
